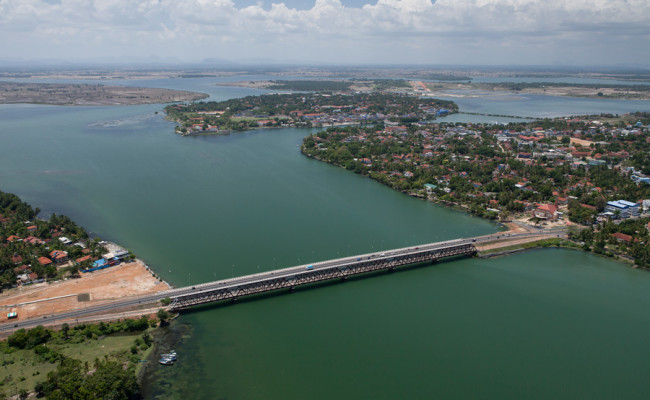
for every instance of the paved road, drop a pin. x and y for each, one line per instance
(116, 305)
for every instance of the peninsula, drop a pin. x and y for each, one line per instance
(303, 110)
(588, 172)
(73, 94)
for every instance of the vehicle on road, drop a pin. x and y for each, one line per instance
(310, 267)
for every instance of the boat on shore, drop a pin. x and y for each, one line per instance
(168, 358)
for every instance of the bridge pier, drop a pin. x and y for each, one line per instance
(292, 289)
(344, 278)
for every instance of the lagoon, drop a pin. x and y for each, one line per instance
(552, 323)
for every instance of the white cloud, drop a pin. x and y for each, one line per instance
(328, 28)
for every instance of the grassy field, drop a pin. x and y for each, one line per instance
(22, 369)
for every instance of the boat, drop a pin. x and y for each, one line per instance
(168, 358)
(166, 361)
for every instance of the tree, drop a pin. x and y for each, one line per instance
(163, 316)
(65, 328)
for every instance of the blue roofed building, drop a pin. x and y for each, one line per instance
(623, 208)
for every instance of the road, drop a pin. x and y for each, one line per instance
(116, 305)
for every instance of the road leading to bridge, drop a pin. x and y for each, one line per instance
(290, 277)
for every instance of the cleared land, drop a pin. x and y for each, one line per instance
(639, 92)
(91, 289)
(89, 95)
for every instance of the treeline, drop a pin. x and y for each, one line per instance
(600, 240)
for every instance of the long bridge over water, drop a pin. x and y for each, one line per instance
(288, 278)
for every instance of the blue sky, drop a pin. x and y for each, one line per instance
(470, 32)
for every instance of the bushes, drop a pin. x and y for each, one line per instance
(29, 339)
(23, 339)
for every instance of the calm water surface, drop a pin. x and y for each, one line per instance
(544, 324)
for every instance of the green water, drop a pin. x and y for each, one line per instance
(545, 324)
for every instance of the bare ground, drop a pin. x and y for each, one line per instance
(91, 289)
(89, 95)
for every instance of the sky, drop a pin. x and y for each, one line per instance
(334, 32)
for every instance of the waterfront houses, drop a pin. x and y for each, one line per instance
(550, 174)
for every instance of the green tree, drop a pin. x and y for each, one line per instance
(163, 316)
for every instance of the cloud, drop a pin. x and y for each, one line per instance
(326, 29)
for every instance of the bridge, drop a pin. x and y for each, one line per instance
(288, 278)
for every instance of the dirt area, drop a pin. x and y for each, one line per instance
(515, 227)
(582, 142)
(91, 289)
(450, 89)
(89, 95)
(511, 242)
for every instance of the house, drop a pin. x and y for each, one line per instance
(59, 256)
(44, 261)
(546, 211)
(33, 240)
(621, 237)
(82, 259)
(429, 187)
(14, 238)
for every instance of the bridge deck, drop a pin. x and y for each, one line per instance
(303, 275)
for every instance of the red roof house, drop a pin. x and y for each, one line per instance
(59, 256)
(621, 237)
(44, 261)
(546, 211)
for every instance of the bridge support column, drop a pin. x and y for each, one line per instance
(344, 278)
(234, 300)
(292, 289)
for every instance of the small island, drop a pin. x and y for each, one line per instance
(73, 94)
(303, 110)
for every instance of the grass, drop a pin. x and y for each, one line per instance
(23, 369)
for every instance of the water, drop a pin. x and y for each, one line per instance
(537, 325)
(547, 324)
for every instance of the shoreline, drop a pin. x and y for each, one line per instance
(90, 94)
(507, 224)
